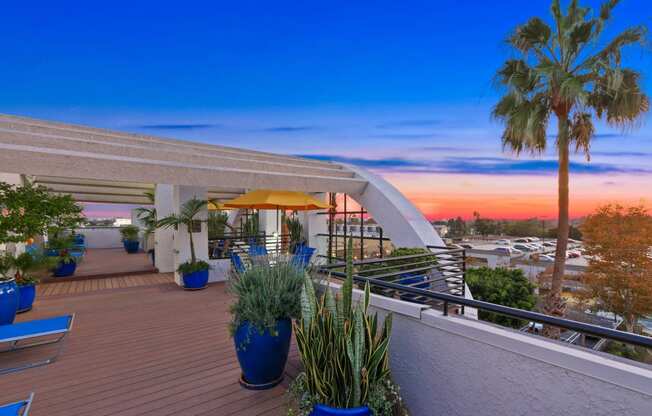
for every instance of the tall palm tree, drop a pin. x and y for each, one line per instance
(566, 71)
(189, 210)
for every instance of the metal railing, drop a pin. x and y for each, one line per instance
(439, 270)
(221, 247)
(445, 300)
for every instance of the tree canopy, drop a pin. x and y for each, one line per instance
(507, 287)
(618, 244)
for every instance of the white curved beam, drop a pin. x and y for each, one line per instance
(402, 222)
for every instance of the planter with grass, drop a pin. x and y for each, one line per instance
(353, 378)
(267, 299)
(130, 238)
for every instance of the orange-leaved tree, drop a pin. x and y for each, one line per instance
(618, 244)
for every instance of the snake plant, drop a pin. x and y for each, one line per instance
(343, 349)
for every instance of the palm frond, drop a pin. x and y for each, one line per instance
(581, 133)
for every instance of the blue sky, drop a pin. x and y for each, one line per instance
(398, 87)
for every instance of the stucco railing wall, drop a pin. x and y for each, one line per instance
(102, 237)
(449, 365)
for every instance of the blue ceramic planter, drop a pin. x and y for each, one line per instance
(65, 269)
(52, 252)
(131, 246)
(263, 356)
(26, 293)
(195, 280)
(8, 301)
(322, 410)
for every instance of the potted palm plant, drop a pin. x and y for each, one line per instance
(193, 272)
(9, 295)
(295, 229)
(65, 264)
(148, 218)
(267, 299)
(353, 377)
(130, 241)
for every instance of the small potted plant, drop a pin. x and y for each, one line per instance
(194, 272)
(25, 266)
(353, 377)
(267, 299)
(65, 265)
(295, 229)
(130, 238)
(9, 295)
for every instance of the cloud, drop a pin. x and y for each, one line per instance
(405, 136)
(609, 183)
(189, 126)
(289, 129)
(443, 149)
(498, 166)
(409, 123)
(389, 163)
(621, 154)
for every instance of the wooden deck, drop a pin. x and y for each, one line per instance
(140, 349)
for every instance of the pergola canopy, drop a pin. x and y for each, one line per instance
(97, 165)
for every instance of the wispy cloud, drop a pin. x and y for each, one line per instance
(477, 165)
(409, 123)
(179, 126)
(289, 129)
(621, 154)
(406, 136)
(388, 163)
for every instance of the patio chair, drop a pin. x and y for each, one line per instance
(237, 263)
(257, 250)
(302, 257)
(20, 408)
(35, 333)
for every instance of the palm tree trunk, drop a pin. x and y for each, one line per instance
(554, 304)
(192, 244)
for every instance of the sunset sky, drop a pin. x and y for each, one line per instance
(402, 88)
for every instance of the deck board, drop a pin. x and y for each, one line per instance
(140, 348)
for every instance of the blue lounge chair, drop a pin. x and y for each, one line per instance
(302, 257)
(257, 250)
(20, 408)
(34, 333)
(237, 263)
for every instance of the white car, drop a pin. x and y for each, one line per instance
(503, 242)
(549, 244)
(509, 251)
(547, 257)
(524, 247)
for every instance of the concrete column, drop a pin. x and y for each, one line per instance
(267, 221)
(164, 238)
(181, 237)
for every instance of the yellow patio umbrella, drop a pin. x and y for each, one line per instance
(216, 206)
(268, 199)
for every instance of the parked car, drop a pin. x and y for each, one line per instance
(522, 240)
(547, 257)
(503, 242)
(509, 251)
(573, 254)
(524, 247)
(550, 244)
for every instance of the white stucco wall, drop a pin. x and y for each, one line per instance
(456, 367)
(102, 237)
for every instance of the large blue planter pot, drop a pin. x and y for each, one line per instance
(131, 246)
(26, 293)
(195, 280)
(263, 356)
(65, 269)
(52, 252)
(322, 410)
(9, 298)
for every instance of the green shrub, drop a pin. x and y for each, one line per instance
(266, 293)
(343, 349)
(507, 287)
(190, 267)
(129, 232)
